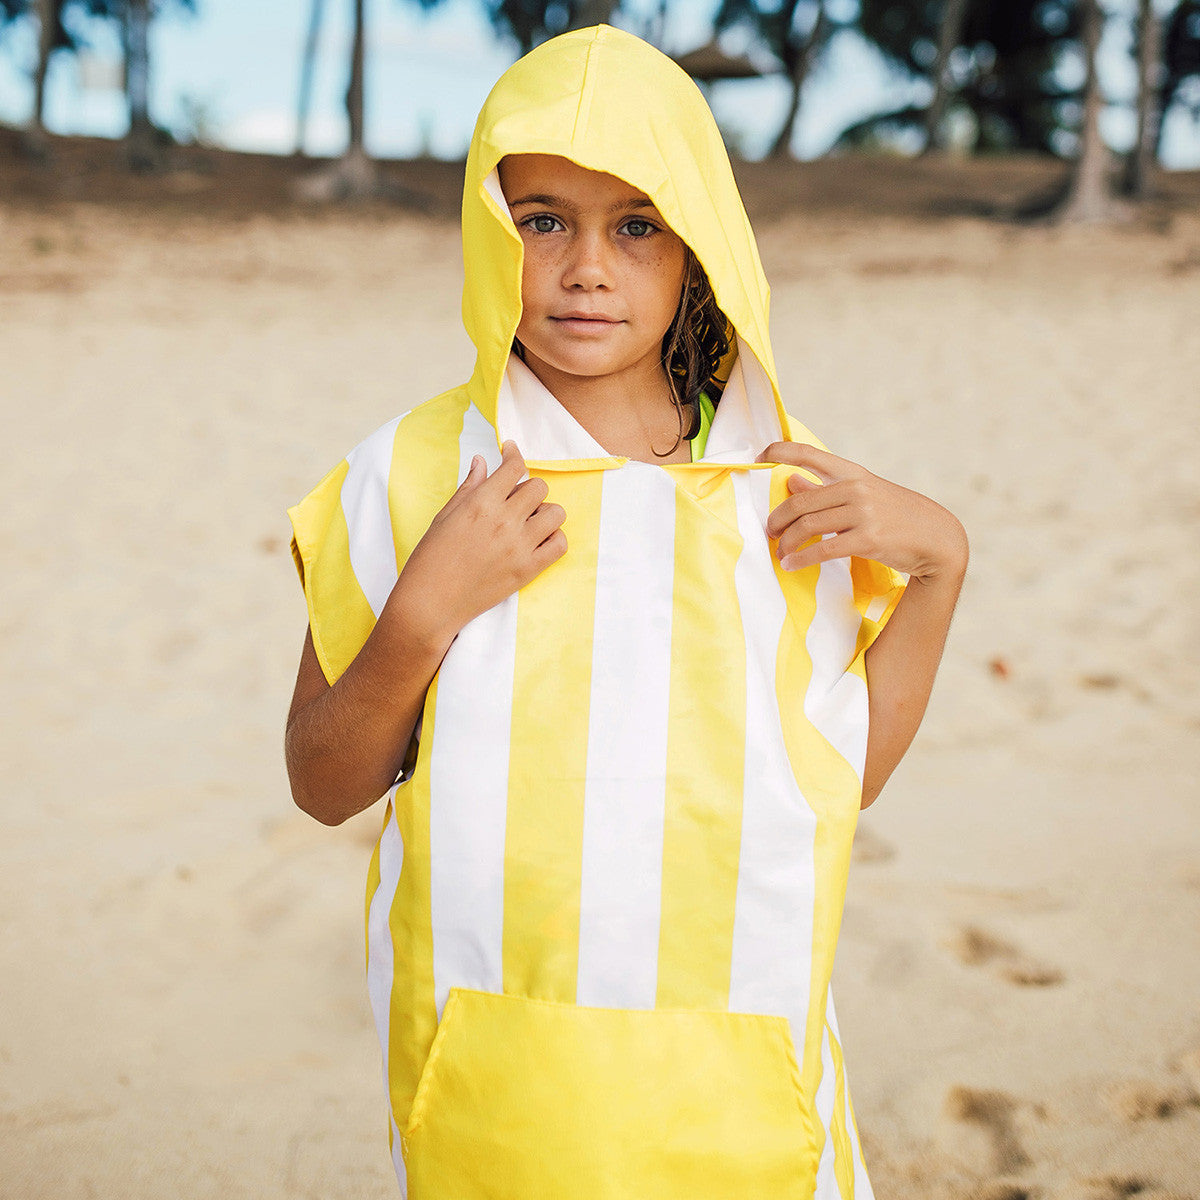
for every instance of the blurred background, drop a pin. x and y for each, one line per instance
(229, 250)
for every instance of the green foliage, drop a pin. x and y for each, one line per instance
(1005, 68)
(1181, 57)
(783, 27)
(66, 36)
(532, 21)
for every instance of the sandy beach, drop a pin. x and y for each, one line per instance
(182, 1005)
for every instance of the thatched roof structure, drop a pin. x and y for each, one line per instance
(711, 62)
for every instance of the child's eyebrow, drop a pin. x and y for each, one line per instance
(547, 201)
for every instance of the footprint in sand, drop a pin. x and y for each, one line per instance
(1156, 1099)
(991, 1117)
(977, 948)
(1003, 1189)
(1147, 1099)
(1115, 1187)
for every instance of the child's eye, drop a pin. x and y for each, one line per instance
(639, 228)
(544, 223)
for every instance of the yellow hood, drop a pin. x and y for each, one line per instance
(610, 102)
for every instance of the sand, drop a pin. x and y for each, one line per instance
(182, 1004)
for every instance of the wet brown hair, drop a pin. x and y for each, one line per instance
(693, 348)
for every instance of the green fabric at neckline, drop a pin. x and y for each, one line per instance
(707, 412)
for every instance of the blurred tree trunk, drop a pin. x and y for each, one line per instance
(141, 141)
(354, 176)
(797, 60)
(954, 13)
(34, 141)
(1089, 196)
(1139, 165)
(304, 100)
(355, 90)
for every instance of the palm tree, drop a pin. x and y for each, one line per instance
(316, 13)
(950, 29)
(141, 140)
(1139, 164)
(797, 58)
(355, 175)
(48, 22)
(776, 29)
(1089, 196)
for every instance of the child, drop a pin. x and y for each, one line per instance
(601, 620)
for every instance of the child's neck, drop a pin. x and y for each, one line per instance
(630, 413)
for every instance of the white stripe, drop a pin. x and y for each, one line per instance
(772, 928)
(625, 798)
(380, 965)
(862, 1182)
(468, 781)
(876, 608)
(398, 1162)
(836, 700)
(364, 498)
(827, 1188)
(478, 437)
(860, 1185)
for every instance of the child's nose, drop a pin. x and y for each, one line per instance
(589, 265)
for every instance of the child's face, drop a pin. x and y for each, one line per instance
(603, 271)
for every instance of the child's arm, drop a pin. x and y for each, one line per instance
(345, 744)
(872, 518)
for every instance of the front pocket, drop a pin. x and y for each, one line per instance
(536, 1100)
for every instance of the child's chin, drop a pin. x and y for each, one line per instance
(591, 360)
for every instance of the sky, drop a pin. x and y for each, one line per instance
(232, 71)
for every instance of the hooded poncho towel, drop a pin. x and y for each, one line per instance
(603, 908)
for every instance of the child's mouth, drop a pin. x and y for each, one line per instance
(585, 322)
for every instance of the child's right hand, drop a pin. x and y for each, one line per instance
(493, 536)
(346, 743)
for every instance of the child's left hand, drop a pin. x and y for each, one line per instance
(870, 518)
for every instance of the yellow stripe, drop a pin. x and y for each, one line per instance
(424, 474)
(424, 470)
(373, 874)
(548, 756)
(828, 783)
(871, 580)
(705, 754)
(338, 613)
(843, 1161)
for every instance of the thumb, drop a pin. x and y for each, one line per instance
(476, 473)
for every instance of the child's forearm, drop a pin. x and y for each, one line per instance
(901, 666)
(345, 744)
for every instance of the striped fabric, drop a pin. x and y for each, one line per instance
(603, 908)
(637, 784)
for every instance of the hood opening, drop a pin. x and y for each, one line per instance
(610, 102)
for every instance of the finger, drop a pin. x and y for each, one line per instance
(544, 521)
(510, 471)
(528, 494)
(814, 525)
(827, 467)
(476, 472)
(551, 550)
(841, 545)
(801, 504)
